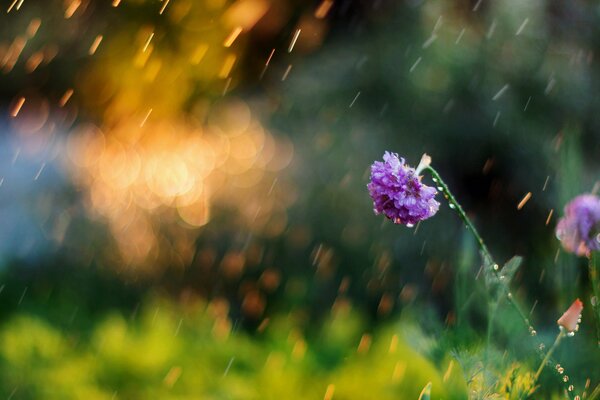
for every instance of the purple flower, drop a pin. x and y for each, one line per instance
(579, 229)
(398, 193)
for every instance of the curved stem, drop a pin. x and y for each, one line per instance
(484, 249)
(495, 269)
(461, 213)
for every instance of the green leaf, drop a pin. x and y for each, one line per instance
(426, 392)
(507, 272)
(489, 275)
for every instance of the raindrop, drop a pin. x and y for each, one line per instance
(500, 92)
(491, 30)
(532, 331)
(415, 65)
(354, 101)
(460, 35)
(228, 366)
(452, 206)
(434, 179)
(440, 188)
(550, 85)
(527, 104)
(409, 225)
(522, 27)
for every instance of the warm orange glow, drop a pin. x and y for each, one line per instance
(246, 13)
(95, 45)
(17, 107)
(137, 177)
(65, 98)
(232, 36)
(227, 66)
(71, 8)
(33, 27)
(323, 9)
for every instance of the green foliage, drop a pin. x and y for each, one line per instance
(498, 379)
(517, 384)
(426, 393)
(176, 352)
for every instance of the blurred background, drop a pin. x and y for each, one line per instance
(184, 209)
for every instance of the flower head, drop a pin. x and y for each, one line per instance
(398, 193)
(570, 319)
(579, 229)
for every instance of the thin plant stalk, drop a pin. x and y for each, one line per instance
(484, 249)
(454, 204)
(594, 271)
(492, 307)
(559, 337)
(461, 213)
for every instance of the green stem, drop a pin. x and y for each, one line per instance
(492, 307)
(560, 335)
(484, 249)
(594, 271)
(490, 260)
(461, 213)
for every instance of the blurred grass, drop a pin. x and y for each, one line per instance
(171, 351)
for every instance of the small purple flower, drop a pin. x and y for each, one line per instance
(579, 229)
(398, 193)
